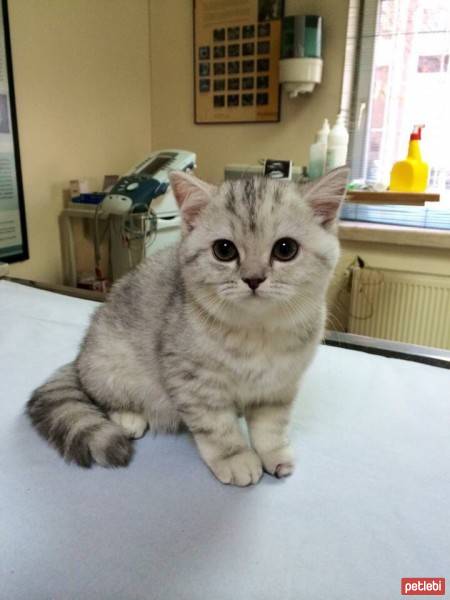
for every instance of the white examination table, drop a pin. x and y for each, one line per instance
(368, 504)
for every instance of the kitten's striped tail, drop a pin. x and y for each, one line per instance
(65, 415)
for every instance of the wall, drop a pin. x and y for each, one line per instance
(217, 145)
(82, 74)
(82, 79)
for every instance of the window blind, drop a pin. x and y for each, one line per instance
(408, 216)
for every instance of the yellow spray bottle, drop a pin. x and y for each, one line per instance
(411, 174)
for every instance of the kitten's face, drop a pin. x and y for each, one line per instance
(256, 243)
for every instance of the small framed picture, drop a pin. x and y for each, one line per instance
(262, 99)
(233, 100)
(248, 31)
(262, 82)
(219, 101)
(233, 50)
(219, 35)
(203, 69)
(248, 66)
(219, 51)
(204, 53)
(263, 29)
(219, 68)
(263, 64)
(205, 85)
(219, 85)
(233, 67)
(278, 169)
(264, 47)
(233, 33)
(248, 49)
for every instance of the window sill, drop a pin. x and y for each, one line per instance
(379, 233)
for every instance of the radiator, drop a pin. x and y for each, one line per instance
(399, 305)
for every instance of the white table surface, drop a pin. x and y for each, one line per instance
(368, 503)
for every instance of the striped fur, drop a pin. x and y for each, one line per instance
(65, 415)
(184, 341)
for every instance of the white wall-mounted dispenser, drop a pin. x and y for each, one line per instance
(301, 47)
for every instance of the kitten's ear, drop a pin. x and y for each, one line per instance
(192, 195)
(325, 195)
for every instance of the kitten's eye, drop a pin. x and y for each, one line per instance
(225, 250)
(285, 249)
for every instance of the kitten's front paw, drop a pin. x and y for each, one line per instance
(133, 424)
(240, 469)
(279, 462)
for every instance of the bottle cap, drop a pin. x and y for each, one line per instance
(325, 126)
(323, 132)
(416, 132)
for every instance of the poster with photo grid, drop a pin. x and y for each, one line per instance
(236, 54)
(13, 233)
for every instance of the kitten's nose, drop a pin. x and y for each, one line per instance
(253, 283)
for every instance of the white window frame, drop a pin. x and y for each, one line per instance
(361, 88)
(355, 102)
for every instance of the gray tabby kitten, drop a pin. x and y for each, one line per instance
(219, 326)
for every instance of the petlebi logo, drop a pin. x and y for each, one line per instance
(423, 586)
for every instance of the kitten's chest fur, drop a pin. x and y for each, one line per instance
(258, 364)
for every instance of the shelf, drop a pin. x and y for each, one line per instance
(406, 198)
(82, 211)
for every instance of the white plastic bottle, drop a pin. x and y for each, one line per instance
(318, 152)
(337, 144)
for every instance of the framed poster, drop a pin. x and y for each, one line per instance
(236, 54)
(13, 233)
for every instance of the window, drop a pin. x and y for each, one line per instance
(402, 79)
